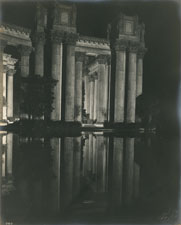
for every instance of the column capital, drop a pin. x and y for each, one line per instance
(79, 56)
(121, 45)
(24, 50)
(3, 44)
(102, 59)
(133, 47)
(39, 37)
(11, 72)
(57, 36)
(95, 75)
(141, 52)
(91, 78)
(71, 38)
(109, 60)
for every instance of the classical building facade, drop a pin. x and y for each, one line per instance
(98, 79)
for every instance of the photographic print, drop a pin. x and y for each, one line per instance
(89, 112)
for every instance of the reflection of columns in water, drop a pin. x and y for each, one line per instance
(94, 150)
(67, 172)
(4, 155)
(117, 173)
(1, 151)
(131, 89)
(57, 74)
(70, 78)
(136, 179)
(2, 46)
(9, 153)
(55, 182)
(129, 169)
(78, 85)
(86, 165)
(76, 166)
(101, 164)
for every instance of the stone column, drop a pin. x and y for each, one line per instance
(129, 170)
(2, 46)
(120, 69)
(1, 153)
(131, 88)
(56, 71)
(95, 95)
(91, 94)
(102, 92)
(78, 85)
(70, 78)
(117, 175)
(109, 89)
(10, 73)
(5, 92)
(139, 77)
(24, 61)
(39, 53)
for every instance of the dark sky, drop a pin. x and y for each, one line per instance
(162, 37)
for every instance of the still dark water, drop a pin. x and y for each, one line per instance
(93, 178)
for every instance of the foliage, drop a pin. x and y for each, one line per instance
(37, 96)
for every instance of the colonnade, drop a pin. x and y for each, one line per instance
(128, 80)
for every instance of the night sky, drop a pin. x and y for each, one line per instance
(162, 37)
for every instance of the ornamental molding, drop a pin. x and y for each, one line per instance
(71, 38)
(141, 52)
(39, 37)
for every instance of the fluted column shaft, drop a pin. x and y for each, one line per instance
(39, 53)
(2, 46)
(24, 61)
(91, 93)
(139, 77)
(109, 88)
(131, 87)
(10, 93)
(70, 80)
(120, 82)
(56, 70)
(136, 180)
(78, 86)
(95, 96)
(102, 92)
